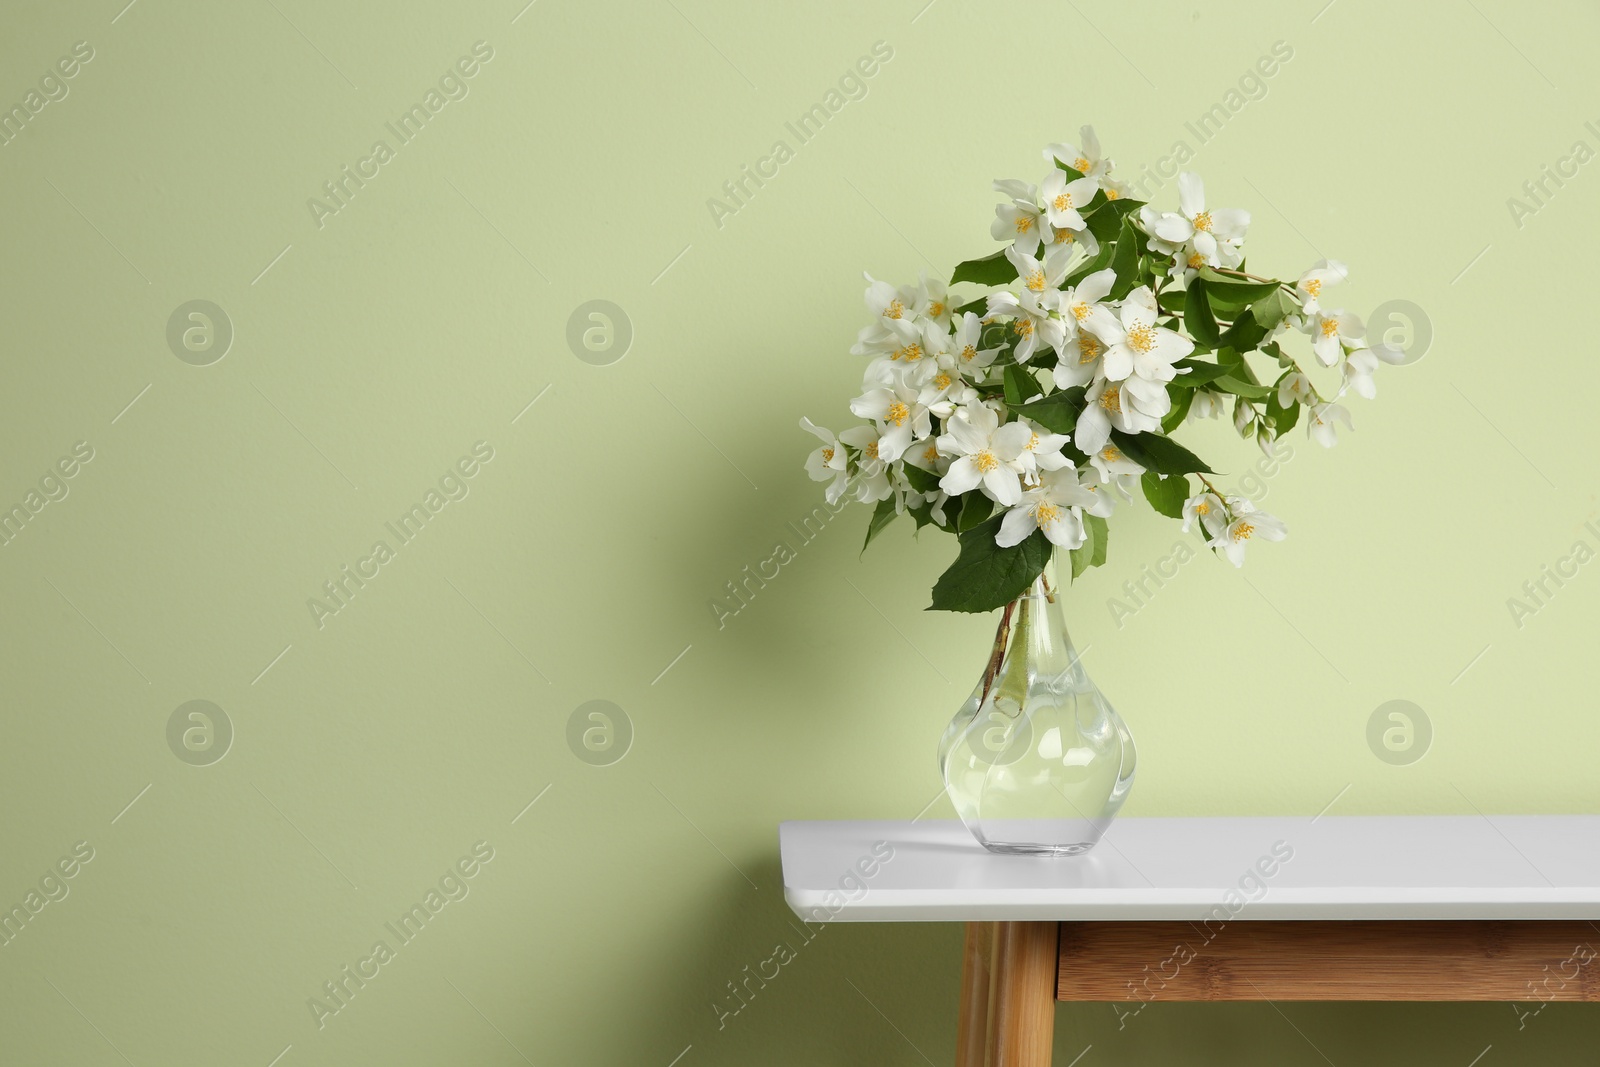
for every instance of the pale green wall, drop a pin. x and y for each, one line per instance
(429, 312)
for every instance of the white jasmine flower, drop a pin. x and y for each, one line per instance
(1206, 232)
(1245, 523)
(1021, 220)
(1043, 450)
(1063, 197)
(828, 463)
(1210, 510)
(1332, 332)
(1320, 426)
(1080, 360)
(1358, 368)
(1205, 405)
(1054, 506)
(872, 473)
(966, 344)
(1135, 344)
(1032, 322)
(934, 302)
(1039, 277)
(1244, 417)
(900, 415)
(887, 301)
(1079, 302)
(1295, 388)
(1066, 242)
(1314, 281)
(1118, 405)
(1086, 160)
(986, 454)
(1099, 484)
(1112, 464)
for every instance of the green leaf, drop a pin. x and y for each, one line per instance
(1245, 334)
(1229, 384)
(1166, 495)
(1181, 400)
(1286, 420)
(975, 508)
(1282, 418)
(1020, 385)
(922, 481)
(1161, 454)
(986, 576)
(1195, 372)
(1098, 524)
(1272, 308)
(977, 307)
(1126, 260)
(1092, 553)
(1236, 291)
(1172, 301)
(1197, 316)
(1083, 555)
(882, 516)
(1106, 220)
(1057, 412)
(990, 270)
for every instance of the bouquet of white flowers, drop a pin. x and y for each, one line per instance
(1015, 420)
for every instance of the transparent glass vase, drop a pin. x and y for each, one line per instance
(1036, 762)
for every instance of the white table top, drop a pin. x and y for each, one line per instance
(1334, 867)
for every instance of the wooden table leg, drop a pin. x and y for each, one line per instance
(972, 1023)
(1008, 995)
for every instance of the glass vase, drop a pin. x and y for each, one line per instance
(1036, 762)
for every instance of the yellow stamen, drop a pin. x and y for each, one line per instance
(1329, 327)
(930, 455)
(1033, 442)
(1024, 327)
(969, 353)
(1062, 202)
(1196, 261)
(1202, 221)
(899, 413)
(1314, 286)
(871, 450)
(1141, 338)
(985, 461)
(827, 455)
(910, 353)
(1081, 165)
(1202, 508)
(942, 380)
(1110, 454)
(936, 309)
(1065, 237)
(1242, 531)
(1112, 194)
(1035, 281)
(1088, 349)
(1111, 399)
(1045, 513)
(1080, 310)
(895, 310)
(1024, 223)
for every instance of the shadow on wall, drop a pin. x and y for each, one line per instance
(754, 985)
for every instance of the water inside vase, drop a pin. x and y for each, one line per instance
(1036, 761)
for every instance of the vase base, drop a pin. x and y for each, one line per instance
(1023, 848)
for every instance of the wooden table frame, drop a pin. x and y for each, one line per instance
(1014, 972)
